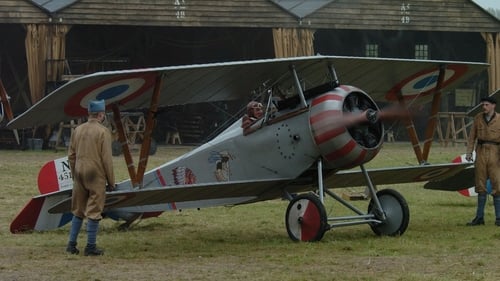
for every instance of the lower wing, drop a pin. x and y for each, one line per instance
(259, 190)
(51, 210)
(435, 175)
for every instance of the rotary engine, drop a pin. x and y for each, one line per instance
(345, 127)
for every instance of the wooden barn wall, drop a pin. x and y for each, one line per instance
(420, 15)
(20, 11)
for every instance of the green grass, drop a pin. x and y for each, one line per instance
(250, 242)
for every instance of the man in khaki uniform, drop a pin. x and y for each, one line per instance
(485, 137)
(91, 163)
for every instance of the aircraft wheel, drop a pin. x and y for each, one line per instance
(306, 218)
(116, 148)
(396, 211)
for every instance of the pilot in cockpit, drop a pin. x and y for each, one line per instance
(254, 113)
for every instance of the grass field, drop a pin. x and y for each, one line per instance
(250, 242)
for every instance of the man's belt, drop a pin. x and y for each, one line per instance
(487, 142)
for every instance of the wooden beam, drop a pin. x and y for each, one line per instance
(412, 133)
(146, 141)
(4, 98)
(122, 138)
(432, 121)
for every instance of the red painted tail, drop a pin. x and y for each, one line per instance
(34, 216)
(54, 176)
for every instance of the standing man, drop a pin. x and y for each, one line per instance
(485, 136)
(91, 163)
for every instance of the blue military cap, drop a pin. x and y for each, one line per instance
(97, 106)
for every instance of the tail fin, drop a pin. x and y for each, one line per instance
(54, 183)
(55, 176)
(35, 215)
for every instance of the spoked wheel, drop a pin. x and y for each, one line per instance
(306, 218)
(396, 212)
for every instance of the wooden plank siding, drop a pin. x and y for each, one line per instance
(419, 15)
(423, 15)
(12, 11)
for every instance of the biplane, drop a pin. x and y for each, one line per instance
(317, 133)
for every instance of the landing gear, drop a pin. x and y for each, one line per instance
(396, 212)
(306, 218)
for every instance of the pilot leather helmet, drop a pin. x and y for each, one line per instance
(489, 99)
(253, 104)
(97, 106)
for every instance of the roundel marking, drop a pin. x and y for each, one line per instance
(120, 89)
(114, 199)
(424, 82)
(432, 174)
(285, 141)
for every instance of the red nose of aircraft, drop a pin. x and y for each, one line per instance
(347, 126)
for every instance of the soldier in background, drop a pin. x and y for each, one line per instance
(485, 137)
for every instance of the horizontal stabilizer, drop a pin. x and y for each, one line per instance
(462, 180)
(34, 215)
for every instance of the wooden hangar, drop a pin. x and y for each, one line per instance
(45, 43)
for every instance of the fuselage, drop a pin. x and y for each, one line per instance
(281, 147)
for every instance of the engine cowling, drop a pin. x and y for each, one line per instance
(343, 134)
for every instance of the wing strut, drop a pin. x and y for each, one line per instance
(136, 177)
(422, 157)
(432, 121)
(146, 144)
(412, 133)
(333, 73)
(123, 141)
(300, 92)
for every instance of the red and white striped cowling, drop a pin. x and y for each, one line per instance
(337, 146)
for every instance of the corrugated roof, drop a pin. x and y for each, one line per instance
(301, 8)
(52, 6)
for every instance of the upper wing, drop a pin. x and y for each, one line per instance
(132, 89)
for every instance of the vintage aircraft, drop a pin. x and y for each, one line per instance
(308, 140)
